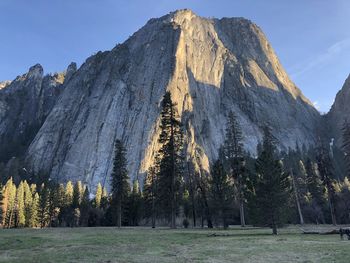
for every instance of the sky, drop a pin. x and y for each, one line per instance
(311, 37)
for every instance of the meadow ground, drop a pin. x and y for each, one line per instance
(104, 244)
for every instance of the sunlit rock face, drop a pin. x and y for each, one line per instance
(339, 113)
(3, 84)
(211, 66)
(24, 105)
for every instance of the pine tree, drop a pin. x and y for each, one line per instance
(192, 191)
(271, 189)
(315, 189)
(170, 160)
(221, 191)
(135, 204)
(77, 194)
(9, 203)
(61, 196)
(33, 220)
(69, 193)
(346, 144)
(28, 198)
(98, 195)
(293, 164)
(44, 206)
(1, 204)
(20, 209)
(326, 170)
(120, 181)
(149, 195)
(203, 186)
(84, 207)
(233, 151)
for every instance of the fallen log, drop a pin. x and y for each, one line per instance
(320, 232)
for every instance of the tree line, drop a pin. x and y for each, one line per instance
(271, 189)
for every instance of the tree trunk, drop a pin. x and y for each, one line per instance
(241, 208)
(331, 206)
(192, 195)
(274, 229)
(173, 206)
(173, 182)
(153, 213)
(153, 200)
(301, 218)
(119, 213)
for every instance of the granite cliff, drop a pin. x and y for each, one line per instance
(211, 66)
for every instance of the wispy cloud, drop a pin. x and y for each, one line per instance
(322, 58)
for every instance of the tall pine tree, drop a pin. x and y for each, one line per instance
(221, 191)
(233, 152)
(120, 182)
(98, 195)
(346, 144)
(149, 195)
(315, 191)
(326, 170)
(170, 160)
(272, 186)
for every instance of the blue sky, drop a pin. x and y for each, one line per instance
(310, 37)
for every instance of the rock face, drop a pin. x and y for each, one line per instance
(210, 66)
(24, 106)
(3, 84)
(339, 113)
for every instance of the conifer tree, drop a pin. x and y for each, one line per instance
(1, 204)
(325, 168)
(120, 181)
(346, 144)
(315, 189)
(69, 193)
(84, 207)
(233, 152)
(28, 197)
(44, 206)
(203, 187)
(98, 195)
(221, 191)
(33, 219)
(293, 164)
(135, 204)
(77, 194)
(170, 160)
(61, 196)
(149, 195)
(9, 203)
(272, 186)
(20, 209)
(105, 198)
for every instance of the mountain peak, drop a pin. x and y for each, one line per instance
(35, 71)
(210, 66)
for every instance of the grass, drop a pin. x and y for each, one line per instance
(165, 245)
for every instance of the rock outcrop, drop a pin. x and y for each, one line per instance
(339, 113)
(211, 66)
(24, 106)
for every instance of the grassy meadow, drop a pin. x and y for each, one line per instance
(140, 244)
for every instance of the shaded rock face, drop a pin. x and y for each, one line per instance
(24, 105)
(210, 66)
(339, 113)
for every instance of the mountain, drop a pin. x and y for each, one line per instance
(211, 66)
(24, 106)
(339, 113)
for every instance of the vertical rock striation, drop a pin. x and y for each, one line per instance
(211, 66)
(24, 106)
